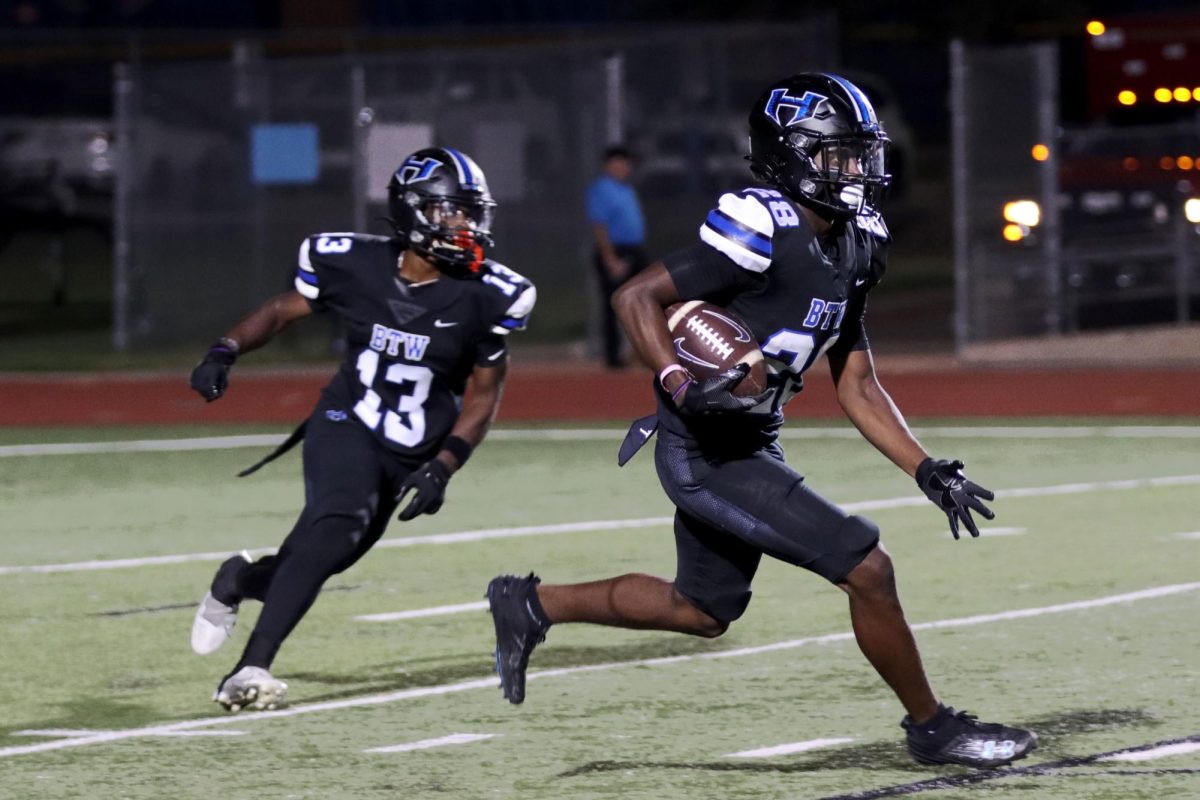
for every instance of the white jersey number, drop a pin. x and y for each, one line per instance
(405, 425)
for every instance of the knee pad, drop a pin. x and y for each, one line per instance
(723, 606)
(859, 534)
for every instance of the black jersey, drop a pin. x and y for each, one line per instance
(802, 294)
(410, 347)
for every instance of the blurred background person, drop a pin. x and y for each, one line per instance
(619, 236)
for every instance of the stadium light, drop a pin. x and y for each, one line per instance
(1184, 162)
(1196, 93)
(1182, 94)
(1166, 162)
(1013, 232)
(1040, 152)
(1131, 164)
(1096, 27)
(1126, 98)
(1162, 94)
(1025, 213)
(1191, 210)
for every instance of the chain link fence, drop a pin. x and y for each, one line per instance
(224, 167)
(1059, 230)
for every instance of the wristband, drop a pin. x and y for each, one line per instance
(667, 370)
(458, 447)
(229, 344)
(680, 390)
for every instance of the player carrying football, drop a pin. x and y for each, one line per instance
(794, 259)
(424, 312)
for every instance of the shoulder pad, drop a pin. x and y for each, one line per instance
(743, 225)
(517, 296)
(323, 252)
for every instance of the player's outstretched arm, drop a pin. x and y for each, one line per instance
(872, 411)
(211, 376)
(428, 482)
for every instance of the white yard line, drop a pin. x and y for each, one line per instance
(441, 741)
(616, 434)
(788, 749)
(72, 733)
(491, 682)
(1189, 535)
(598, 525)
(987, 533)
(417, 613)
(1158, 752)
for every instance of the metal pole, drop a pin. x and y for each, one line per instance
(614, 97)
(361, 117)
(1183, 267)
(961, 185)
(123, 88)
(1046, 58)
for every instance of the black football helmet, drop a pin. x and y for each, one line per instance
(442, 209)
(815, 137)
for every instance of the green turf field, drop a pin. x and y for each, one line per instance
(101, 696)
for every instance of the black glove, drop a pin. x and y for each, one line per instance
(714, 395)
(429, 482)
(211, 376)
(944, 484)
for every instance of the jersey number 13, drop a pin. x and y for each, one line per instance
(406, 424)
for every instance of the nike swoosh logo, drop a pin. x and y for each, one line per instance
(860, 281)
(497, 355)
(437, 323)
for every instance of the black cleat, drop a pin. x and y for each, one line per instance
(956, 737)
(519, 629)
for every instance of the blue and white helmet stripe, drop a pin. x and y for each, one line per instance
(862, 106)
(466, 175)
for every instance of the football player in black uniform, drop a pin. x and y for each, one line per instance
(424, 312)
(794, 258)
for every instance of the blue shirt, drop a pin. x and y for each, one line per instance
(615, 205)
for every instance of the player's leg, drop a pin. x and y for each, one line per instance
(787, 520)
(711, 589)
(344, 482)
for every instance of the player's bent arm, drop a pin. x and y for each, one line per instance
(261, 325)
(479, 410)
(639, 305)
(870, 408)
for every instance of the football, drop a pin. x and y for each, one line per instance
(710, 340)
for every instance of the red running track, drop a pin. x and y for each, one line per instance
(542, 392)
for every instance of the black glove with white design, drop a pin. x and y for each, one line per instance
(428, 481)
(211, 376)
(945, 485)
(714, 395)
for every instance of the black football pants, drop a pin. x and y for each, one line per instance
(350, 484)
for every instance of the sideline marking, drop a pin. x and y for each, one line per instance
(71, 733)
(788, 749)
(1155, 753)
(417, 613)
(491, 682)
(616, 434)
(425, 744)
(600, 525)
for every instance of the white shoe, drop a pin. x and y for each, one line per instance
(213, 624)
(251, 686)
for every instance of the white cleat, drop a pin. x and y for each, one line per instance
(251, 686)
(213, 625)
